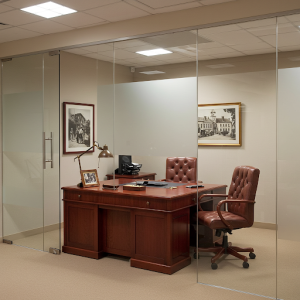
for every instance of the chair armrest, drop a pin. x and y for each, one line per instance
(228, 201)
(211, 195)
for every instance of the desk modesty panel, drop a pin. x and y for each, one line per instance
(152, 226)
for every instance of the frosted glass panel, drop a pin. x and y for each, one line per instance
(155, 117)
(22, 151)
(244, 71)
(288, 206)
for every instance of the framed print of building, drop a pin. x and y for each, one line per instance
(219, 124)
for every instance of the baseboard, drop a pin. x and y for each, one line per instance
(31, 232)
(264, 225)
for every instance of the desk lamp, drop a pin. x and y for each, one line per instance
(104, 154)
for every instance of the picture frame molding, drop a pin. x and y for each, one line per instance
(239, 143)
(65, 134)
(84, 184)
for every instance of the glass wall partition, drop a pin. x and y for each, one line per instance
(288, 208)
(155, 118)
(237, 127)
(30, 102)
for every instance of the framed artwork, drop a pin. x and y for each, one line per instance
(78, 126)
(89, 178)
(219, 124)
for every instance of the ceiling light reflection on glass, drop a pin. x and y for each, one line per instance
(49, 10)
(154, 52)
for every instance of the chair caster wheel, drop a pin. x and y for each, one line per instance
(195, 255)
(252, 255)
(214, 266)
(245, 265)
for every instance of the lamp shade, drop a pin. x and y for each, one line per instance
(105, 152)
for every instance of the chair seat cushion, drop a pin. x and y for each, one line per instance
(212, 220)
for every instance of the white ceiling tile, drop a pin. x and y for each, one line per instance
(82, 5)
(294, 18)
(284, 39)
(120, 54)
(289, 48)
(183, 51)
(78, 20)
(140, 5)
(207, 57)
(209, 45)
(5, 26)
(78, 51)
(210, 2)
(155, 4)
(218, 29)
(258, 23)
(213, 51)
(282, 20)
(254, 46)
(129, 44)
(178, 7)
(4, 8)
(234, 38)
(23, 3)
(269, 30)
(18, 17)
(117, 12)
(260, 51)
(172, 56)
(46, 27)
(143, 60)
(14, 33)
(225, 55)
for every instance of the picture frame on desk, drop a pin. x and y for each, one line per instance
(89, 178)
(78, 127)
(219, 124)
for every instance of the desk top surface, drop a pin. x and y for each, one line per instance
(153, 192)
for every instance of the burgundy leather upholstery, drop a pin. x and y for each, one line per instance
(239, 215)
(181, 169)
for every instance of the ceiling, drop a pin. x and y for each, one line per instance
(249, 38)
(21, 25)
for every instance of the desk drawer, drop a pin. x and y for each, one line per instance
(150, 204)
(79, 196)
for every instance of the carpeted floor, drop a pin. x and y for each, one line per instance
(34, 275)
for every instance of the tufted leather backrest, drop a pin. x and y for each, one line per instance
(181, 169)
(243, 187)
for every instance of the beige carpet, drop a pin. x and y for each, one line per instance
(30, 274)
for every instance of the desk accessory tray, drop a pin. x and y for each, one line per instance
(130, 187)
(110, 186)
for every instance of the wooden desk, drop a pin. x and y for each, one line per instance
(152, 226)
(141, 175)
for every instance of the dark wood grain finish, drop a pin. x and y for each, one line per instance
(152, 226)
(116, 235)
(140, 176)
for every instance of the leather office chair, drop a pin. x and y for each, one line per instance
(239, 214)
(181, 169)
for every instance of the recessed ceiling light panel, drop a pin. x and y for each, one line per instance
(154, 52)
(49, 10)
(152, 72)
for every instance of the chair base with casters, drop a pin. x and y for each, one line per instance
(226, 248)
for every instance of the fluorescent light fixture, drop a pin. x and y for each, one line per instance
(154, 52)
(220, 66)
(49, 10)
(152, 72)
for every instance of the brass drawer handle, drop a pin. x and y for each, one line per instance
(194, 199)
(79, 196)
(148, 203)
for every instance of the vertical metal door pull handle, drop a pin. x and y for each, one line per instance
(44, 150)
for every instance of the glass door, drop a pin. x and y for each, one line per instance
(30, 105)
